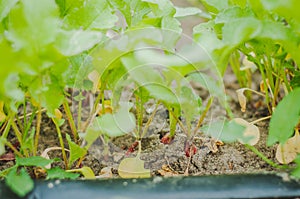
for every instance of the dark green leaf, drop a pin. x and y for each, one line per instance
(58, 173)
(285, 118)
(76, 151)
(37, 161)
(20, 183)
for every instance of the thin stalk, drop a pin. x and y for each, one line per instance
(24, 113)
(13, 148)
(150, 120)
(61, 142)
(261, 119)
(38, 130)
(79, 112)
(70, 120)
(265, 84)
(19, 136)
(203, 115)
(179, 122)
(8, 125)
(267, 160)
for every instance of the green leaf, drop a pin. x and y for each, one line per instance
(5, 7)
(161, 7)
(172, 30)
(225, 131)
(215, 5)
(37, 161)
(48, 92)
(76, 151)
(187, 11)
(33, 24)
(117, 124)
(285, 118)
(92, 14)
(232, 14)
(74, 42)
(20, 183)
(87, 172)
(58, 173)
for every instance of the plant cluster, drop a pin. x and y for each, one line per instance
(58, 54)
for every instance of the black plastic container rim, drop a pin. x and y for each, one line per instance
(222, 186)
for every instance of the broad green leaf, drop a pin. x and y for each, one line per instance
(76, 151)
(20, 182)
(12, 90)
(92, 133)
(5, 7)
(48, 92)
(225, 131)
(187, 11)
(289, 9)
(87, 172)
(232, 14)
(214, 86)
(58, 173)
(92, 14)
(215, 6)
(74, 42)
(119, 123)
(33, 24)
(171, 31)
(37, 161)
(285, 118)
(161, 7)
(241, 30)
(133, 168)
(240, 3)
(2, 145)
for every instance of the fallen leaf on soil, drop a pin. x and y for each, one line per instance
(133, 168)
(105, 173)
(287, 152)
(250, 131)
(213, 145)
(242, 99)
(166, 171)
(8, 156)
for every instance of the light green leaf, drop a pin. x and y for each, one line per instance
(87, 172)
(187, 11)
(33, 24)
(215, 5)
(232, 14)
(74, 42)
(285, 118)
(171, 31)
(21, 183)
(133, 168)
(161, 7)
(37, 161)
(226, 131)
(76, 151)
(58, 173)
(5, 7)
(296, 172)
(92, 14)
(119, 123)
